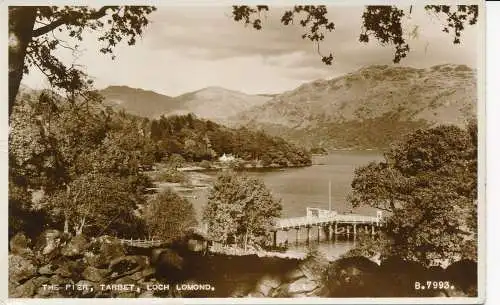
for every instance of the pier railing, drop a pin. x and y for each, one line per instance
(140, 243)
(304, 221)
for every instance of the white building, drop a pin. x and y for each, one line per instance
(226, 158)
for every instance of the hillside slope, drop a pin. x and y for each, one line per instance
(368, 108)
(213, 103)
(137, 101)
(216, 103)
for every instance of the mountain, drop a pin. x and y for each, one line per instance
(368, 108)
(212, 103)
(137, 101)
(216, 103)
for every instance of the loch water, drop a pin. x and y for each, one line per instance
(299, 188)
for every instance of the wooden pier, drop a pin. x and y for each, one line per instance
(330, 221)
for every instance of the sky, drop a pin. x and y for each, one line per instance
(185, 49)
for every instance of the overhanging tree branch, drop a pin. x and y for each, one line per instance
(67, 20)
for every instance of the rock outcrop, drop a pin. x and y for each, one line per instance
(63, 266)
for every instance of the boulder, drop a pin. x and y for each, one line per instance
(20, 245)
(110, 248)
(399, 277)
(75, 247)
(40, 280)
(352, 277)
(314, 266)
(169, 265)
(94, 260)
(20, 268)
(26, 290)
(148, 273)
(127, 265)
(94, 274)
(302, 286)
(59, 280)
(293, 275)
(137, 276)
(102, 250)
(463, 274)
(266, 284)
(48, 244)
(71, 269)
(48, 269)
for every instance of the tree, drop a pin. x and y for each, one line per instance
(169, 216)
(56, 147)
(428, 184)
(32, 33)
(32, 38)
(49, 138)
(96, 204)
(241, 209)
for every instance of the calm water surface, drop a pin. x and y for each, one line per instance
(299, 188)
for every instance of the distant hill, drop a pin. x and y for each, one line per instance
(368, 108)
(216, 103)
(138, 102)
(212, 103)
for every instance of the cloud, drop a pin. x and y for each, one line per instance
(186, 48)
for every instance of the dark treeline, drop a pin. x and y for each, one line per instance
(368, 133)
(198, 140)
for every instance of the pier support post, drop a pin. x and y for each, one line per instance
(328, 232)
(373, 230)
(308, 234)
(319, 232)
(348, 230)
(297, 235)
(286, 236)
(275, 233)
(354, 230)
(335, 230)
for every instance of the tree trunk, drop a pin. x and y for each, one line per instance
(66, 225)
(80, 229)
(246, 239)
(21, 23)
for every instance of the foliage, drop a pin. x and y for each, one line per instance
(96, 204)
(196, 140)
(56, 143)
(172, 176)
(428, 184)
(35, 31)
(205, 164)
(384, 23)
(175, 161)
(169, 216)
(23, 217)
(240, 209)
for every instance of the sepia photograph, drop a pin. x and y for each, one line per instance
(220, 151)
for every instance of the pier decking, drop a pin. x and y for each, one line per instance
(305, 221)
(330, 221)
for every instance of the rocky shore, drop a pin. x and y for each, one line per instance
(59, 265)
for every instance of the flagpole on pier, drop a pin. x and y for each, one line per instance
(330, 195)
